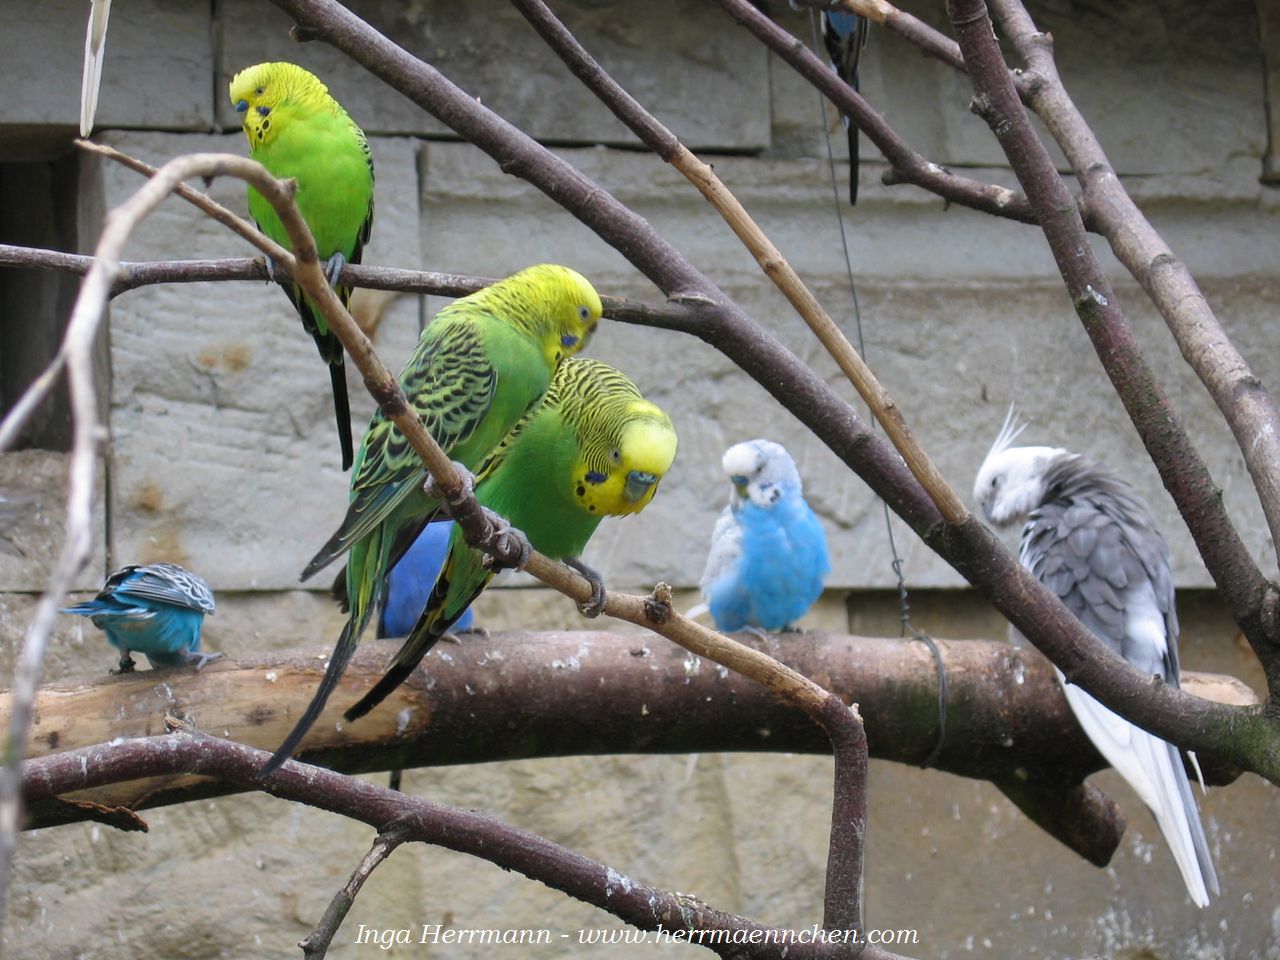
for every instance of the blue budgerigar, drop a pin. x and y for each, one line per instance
(410, 581)
(768, 552)
(156, 610)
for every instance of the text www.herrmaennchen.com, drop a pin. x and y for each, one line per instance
(435, 933)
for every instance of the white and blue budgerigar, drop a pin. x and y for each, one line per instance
(410, 582)
(768, 554)
(156, 610)
(1091, 541)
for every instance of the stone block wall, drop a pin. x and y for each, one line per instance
(223, 455)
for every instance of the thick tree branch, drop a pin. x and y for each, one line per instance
(1245, 735)
(1007, 719)
(413, 818)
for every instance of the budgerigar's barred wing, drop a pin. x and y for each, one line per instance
(450, 381)
(162, 582)
(1094, 544)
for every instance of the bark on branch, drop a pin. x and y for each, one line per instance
(517, 696)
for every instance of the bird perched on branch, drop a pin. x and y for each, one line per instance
(479, 366)
(593, 448)
(296, 129)
(768, 554)
(1091, 541)
(844, 35)
(156, 610)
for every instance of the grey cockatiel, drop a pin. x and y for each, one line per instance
(1092, 542)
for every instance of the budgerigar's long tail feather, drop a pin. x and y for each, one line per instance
(342, 410)
(433, 624)
(852, 131)
(333, 673)
(405, 538)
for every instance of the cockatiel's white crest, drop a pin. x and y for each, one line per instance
(1093, 542)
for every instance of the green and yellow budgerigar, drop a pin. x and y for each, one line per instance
(479, 366)
(296, 129)
(594, 447)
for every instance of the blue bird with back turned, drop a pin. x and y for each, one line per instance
(156, 610)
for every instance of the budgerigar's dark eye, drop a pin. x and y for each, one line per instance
(584, 313)
(259, 91)
(617, 455)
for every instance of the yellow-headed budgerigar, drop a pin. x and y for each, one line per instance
(479, 366)
(296, 129)
(593, 448)
(1090, 540)
(156, 610)
(768, 553)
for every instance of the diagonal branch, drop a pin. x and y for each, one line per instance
(316, 943)
(666, 145)
(1245, 403)
(1245, 736)
(417, 819)
(1252, 599)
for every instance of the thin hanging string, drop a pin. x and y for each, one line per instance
(904, 601)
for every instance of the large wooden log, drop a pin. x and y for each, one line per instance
(521, 695)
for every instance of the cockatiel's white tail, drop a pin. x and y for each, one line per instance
(95, 50)
(1093, 543)
(1154, 770)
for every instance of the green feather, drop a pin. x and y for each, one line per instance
(295, 129)
(479, 366)
(560, 470)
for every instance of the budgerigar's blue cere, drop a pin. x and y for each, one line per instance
(768, 552)
(156, 610)
(411, 579)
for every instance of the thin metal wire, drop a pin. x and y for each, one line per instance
(904, 600)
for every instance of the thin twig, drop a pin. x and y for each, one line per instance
(76, 353)
(133, 275)
(466, 831)
(771, 260)
(906, 165)
(316, 944)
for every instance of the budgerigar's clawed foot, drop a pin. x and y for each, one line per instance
(595, 606)
(478, 631)
(333, 269)
(792, 628)
(507, 548)
(756, 631)
(450, 638)
(432, 489)
(126, 664)
(200, 659)
(271, 270)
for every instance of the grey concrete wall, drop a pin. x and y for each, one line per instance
(961, 314)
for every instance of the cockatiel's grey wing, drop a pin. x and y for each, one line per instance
(1111, 569)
